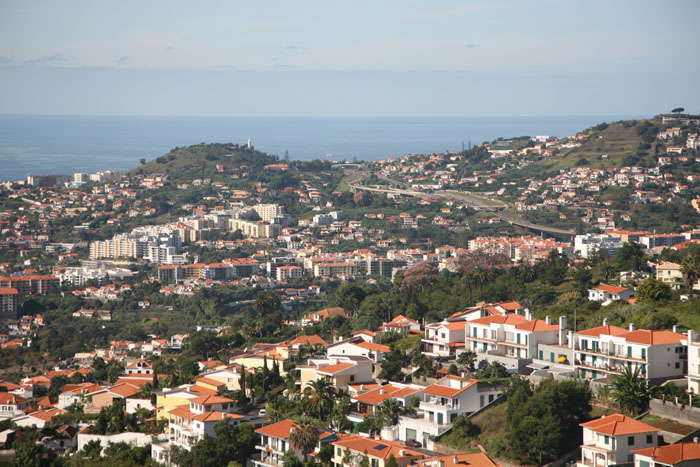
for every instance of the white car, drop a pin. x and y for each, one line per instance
(261, 413)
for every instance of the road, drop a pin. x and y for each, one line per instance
(468, 198)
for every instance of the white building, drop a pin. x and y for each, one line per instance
(670, 273)
(605, 293)
(510, 338)
(274, 442)
(358, 347)
(589, 244)
(443, 338)
(605, 350)
(610, 440)
(441, 403)
(288, 272)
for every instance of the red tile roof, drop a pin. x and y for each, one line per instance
(673, 453)
(618, 424)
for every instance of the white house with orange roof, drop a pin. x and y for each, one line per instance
(512, 339)
(605, 350)
(12, 405)
(609, 293)
(37, 419)
(441, 403)
(369, 401)
(673, 455)
(610, 440)
(341, 371)
(366, 335)
(189, 423)
(378, 451)
(401, 325)
(444, 338)
(274, 442)
(358, 347)
(139, 367)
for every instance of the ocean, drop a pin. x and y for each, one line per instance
(68, 144)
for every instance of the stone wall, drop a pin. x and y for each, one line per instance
(678, 412)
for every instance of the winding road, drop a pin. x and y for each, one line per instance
(471, 199)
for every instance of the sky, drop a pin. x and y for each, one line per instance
(351, 58)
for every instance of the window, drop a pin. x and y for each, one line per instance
(474, 330)
(352, 378)
(517, 338)
(338, 452)
(629, 351)
(644, 353)
(551, 356)
(630, 441)
(375, 463)
(678, 364)
(442, 334)
(606, 439)
(644, 464)
(650, 439)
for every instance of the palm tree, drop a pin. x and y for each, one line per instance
(631, 391)
(303, 438)
(319, 397)
(390, 409)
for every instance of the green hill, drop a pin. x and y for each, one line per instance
(617, 144)
(200, 161)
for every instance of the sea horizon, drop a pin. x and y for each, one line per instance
(65, 144)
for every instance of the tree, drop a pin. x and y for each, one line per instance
(319, 398)
(389, 410)
(391, 462)
(467, 359)
(392, 366)
(678, 110)
(631, 391)
(690, 267)
(142, 161)
(290, 459)
(543, 425)
(303, 438)
(653, 290)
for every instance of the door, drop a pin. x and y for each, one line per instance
(439, 418)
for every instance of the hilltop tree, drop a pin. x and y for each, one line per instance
(678, 110)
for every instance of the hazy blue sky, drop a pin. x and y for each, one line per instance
(382, 57)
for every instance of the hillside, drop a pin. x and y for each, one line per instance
(200, 161)
(617, 144)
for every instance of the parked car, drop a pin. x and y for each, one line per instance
(261, 413)
(413, 443)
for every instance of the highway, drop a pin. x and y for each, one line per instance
(468, 198)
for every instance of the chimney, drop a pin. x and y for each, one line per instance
(528, 315)
(563, 324)
(606, 321)
(696, 439)
(402, 453)
(675, 328)
(571, 339)
(455, 460)
(381, 391)
(632, 327)
(548, 319)
(691, 336)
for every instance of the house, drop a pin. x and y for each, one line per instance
(377, 451)
(465, 459)
(357, 346)
(366, 335)
(105, 397)
(274, 442)
(340, 371)
(140, 367)
(443, 338)
(228, 376)
(605, 350)
(611, 440)
(37, 419)
(512, 340)
(401, 325)
(670, 273)
(674, 455)
(189, 423)
(12, 405)
(368, 402)
(169, 398)
(441, 403)
(605, 293)
(322, 315)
